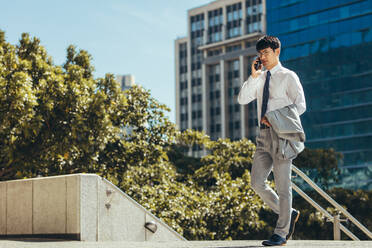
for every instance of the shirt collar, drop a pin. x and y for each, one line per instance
(275, 68)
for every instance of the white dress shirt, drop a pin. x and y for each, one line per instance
(285, 89)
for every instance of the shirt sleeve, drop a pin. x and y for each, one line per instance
(295, 92)
(248, 92)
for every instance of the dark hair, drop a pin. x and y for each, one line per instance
(267, 41)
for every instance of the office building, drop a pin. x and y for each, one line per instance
(326, 42)
(126, 81)
(329, 45)
(211, 62)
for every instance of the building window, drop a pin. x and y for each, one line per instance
(254, 15)
(234, 18)
(232, 48)
(215, 18)
(215, 52)
(218, 128)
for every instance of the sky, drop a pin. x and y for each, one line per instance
(123, 36)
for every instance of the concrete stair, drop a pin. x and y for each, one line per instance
(81, 207)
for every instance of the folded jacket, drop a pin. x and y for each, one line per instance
(286, 124)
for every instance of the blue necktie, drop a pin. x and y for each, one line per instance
(265, 95)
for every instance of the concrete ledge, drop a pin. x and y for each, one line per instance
(49, 218)
(81, 206)
(42, 237)
(3, 208)
(19, 207)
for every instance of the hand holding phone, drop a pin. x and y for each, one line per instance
(258, 64)
(256, 67)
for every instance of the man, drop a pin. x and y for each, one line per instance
(274, 88)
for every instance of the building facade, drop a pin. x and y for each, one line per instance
(326, 42)
(126, 81)
(210, 64)
(329, 45)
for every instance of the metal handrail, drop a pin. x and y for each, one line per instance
(330, 200)
(325, 212)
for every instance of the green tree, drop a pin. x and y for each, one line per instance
(320, 164)
(214, 201)
(60, 119)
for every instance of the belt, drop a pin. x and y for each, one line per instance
(263, 126)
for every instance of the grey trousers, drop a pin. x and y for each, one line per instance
(264, 161)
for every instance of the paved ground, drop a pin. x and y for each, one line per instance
(30, 243)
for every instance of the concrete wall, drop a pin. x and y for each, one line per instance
(81, 206)
(2, 208)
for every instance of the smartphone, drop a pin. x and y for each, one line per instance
(258, 64)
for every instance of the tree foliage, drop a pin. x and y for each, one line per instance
(321, 165)
(60, 119)
(214, 202)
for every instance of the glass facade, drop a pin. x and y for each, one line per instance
(329, 45)
(254, 12)
(215, 21)
(234, 20)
